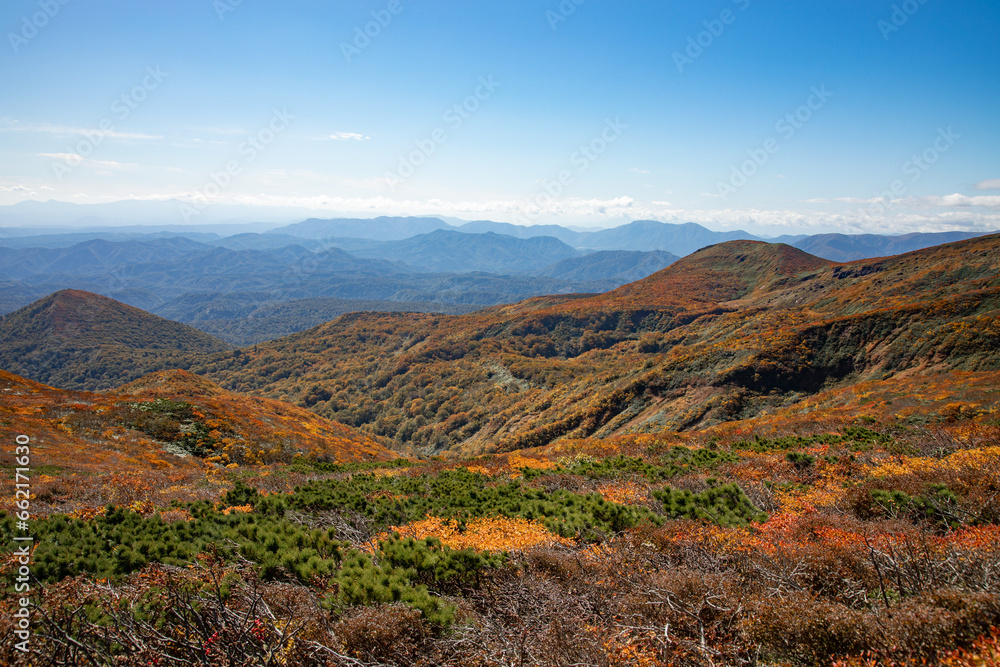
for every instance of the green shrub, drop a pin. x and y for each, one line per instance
(462, 495)
(676, 461)
(724, 505)
(799, 460)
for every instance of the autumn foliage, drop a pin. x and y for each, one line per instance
(752, 458)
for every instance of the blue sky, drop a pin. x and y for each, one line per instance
(857, 116)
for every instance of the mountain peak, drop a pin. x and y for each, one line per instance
(82, 317)
(38, 340)
(721, 272)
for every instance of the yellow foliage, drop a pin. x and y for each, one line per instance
(825, 492)
(485, 534)
(516, 462)
(985, 457)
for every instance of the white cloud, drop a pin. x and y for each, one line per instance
(346, 136)
(851, 216)
(991, 184)
(932, 201)
(65, 131)
(956, 200)
(634, 170)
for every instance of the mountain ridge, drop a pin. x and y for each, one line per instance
(647, 359)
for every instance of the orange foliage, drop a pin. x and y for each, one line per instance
(484, 534)
(626, 493)
(825, 492)
(984, 458)
(517, 461)
(984, 652)
(85, 453)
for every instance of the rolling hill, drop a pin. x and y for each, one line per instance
(75, 339)
(160, 436)
(444, 251)
(736, 330)
(249, 319)
(751, 429)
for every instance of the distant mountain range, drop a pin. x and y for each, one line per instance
(444, 251)
(844, 248)
(640, 235)
(254, 285)
(377, 229)
(620, 266)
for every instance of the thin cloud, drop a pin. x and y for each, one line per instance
(18, 188)
(608, 212)
(75, 160)
(68, 131)
(959, 200)
(991, 184)
(347, 136)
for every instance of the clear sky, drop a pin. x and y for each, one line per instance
(781, 116)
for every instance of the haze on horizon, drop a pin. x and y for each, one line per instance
(769, 117)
